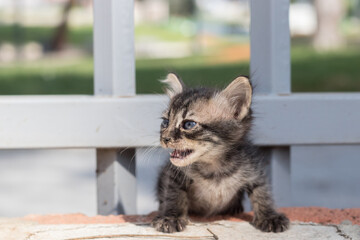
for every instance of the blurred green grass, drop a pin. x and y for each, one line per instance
(311, 72)
(336, 71)
(20, 34)
(47, 77)
(80, 36)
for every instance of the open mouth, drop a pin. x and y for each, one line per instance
(180, 154)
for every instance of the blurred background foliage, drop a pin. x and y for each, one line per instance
(46, 45)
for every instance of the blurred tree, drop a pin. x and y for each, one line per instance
(182, 8)
(58, 40)
(329, 15)
(353, 8)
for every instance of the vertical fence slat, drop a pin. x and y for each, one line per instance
(270, 72)
(114, 72)
(114, 58)
(270, 46)
(280, 176)
(116, 181)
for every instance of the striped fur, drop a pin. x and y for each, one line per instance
(220, 163)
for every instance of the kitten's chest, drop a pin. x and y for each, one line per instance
(212, 196)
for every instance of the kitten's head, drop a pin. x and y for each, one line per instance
(202, 124)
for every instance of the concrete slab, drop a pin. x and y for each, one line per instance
(348, 230)
(306, 223)
(224, 230)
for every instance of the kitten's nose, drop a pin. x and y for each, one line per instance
(166, 140)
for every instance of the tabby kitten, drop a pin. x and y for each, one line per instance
(213, 162)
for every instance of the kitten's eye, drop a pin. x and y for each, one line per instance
(165, 123)
(189, 125)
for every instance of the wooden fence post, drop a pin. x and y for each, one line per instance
(114, 64)
(270, 72)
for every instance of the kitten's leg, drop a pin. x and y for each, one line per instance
(173, 200)
(265, 216)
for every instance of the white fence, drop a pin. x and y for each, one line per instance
(116, 121)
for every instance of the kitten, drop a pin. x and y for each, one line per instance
(213, 162)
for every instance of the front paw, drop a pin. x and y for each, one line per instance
(275, 222)
(169, 224)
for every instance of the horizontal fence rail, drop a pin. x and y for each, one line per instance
(111, 122)
(326, 118)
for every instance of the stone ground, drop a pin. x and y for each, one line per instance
(306, 223)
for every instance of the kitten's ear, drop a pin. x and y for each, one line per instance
(173, 85)
(239, 94)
